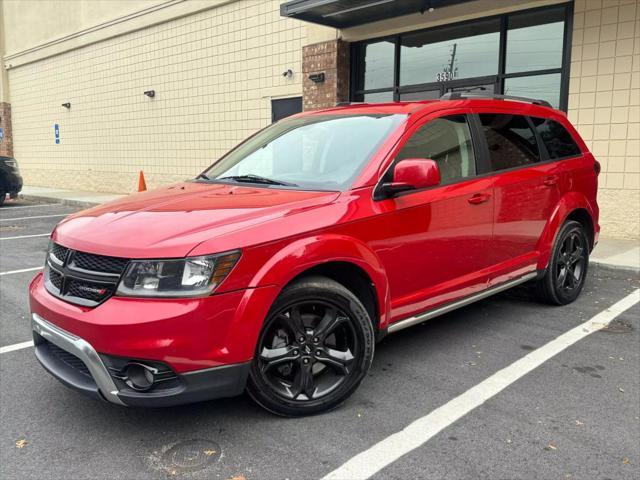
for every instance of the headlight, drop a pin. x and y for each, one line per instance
(186, 277)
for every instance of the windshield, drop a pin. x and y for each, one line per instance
(323, 152)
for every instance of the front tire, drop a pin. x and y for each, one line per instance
(315, 348)
(3, 195)
(567, 270)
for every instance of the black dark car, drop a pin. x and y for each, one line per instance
(10, 179)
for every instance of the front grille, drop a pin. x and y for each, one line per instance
(82, 278)
(99, 263)
(55, 278)
(59, 252)
(68, 358)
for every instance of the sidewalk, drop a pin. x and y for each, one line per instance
(68, 197)
(610, 252)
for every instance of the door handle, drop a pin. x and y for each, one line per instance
(551, 181)
(479, 198)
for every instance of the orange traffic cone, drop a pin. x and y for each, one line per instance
(142, 185)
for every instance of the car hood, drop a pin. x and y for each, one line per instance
(172, 221)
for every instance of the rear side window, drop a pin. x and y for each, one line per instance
(559, 142)
(510, 139)
(447, 140)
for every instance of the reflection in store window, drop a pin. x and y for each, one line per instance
(541, 87)
(378, 65)
(378, 97)
(534, 41)
(468, 51)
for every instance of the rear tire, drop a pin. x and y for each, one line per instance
(3, 195)
(315, 348)
(567, 270)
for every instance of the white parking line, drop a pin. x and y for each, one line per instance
(26, 236)
(8, 208)
(37, 216)
(16, 346)
(387, 451)
(11, 272)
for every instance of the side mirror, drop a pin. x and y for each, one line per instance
(411, 174)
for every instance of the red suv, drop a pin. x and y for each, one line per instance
(278, 268)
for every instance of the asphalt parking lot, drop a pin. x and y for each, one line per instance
(575, 416)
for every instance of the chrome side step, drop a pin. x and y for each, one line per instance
(429, 314)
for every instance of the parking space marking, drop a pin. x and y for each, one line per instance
(16, 346)
(22, 270)
(8, 208)
(37, 216)
(369, 462)
(26, 236)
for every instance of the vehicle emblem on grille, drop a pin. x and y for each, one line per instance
(85, 288)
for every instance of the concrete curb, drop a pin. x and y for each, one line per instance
(62, 201)
(599, 265)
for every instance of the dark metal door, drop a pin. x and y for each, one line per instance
(283, 107)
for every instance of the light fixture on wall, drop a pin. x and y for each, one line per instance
(150, 93)
(317, 77)
(288, 73)
(426, 7)
(66, 105)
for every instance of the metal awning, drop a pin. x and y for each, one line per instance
(349, 13)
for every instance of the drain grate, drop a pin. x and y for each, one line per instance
(190, 456)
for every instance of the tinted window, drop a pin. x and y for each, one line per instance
(446, 140)
(510, 140)
(559, 142)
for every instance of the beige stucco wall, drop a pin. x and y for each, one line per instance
(214, 74)
(604, 104)
(35, 22)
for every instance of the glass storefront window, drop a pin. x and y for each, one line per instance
(377, 71)
(534, 41)
(378, 97)
(423, 95)
(457, 52)
(520, 53)
(541, 87)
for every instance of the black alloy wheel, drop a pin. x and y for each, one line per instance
(570, 264)
(567, 270)
(314, 349)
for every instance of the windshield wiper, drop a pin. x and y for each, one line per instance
(203, 176)
(251, 178)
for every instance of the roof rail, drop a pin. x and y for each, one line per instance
(494, 96)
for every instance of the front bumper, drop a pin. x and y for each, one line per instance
(202, 345)
(93, 378)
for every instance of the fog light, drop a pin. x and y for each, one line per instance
(140, 377)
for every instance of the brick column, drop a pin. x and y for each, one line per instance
(6, 143)
(332, 59)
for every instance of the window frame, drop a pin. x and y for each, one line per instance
(479, 150)
(484, 161)
(501, 75)
(542, 145)
(542, 152)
